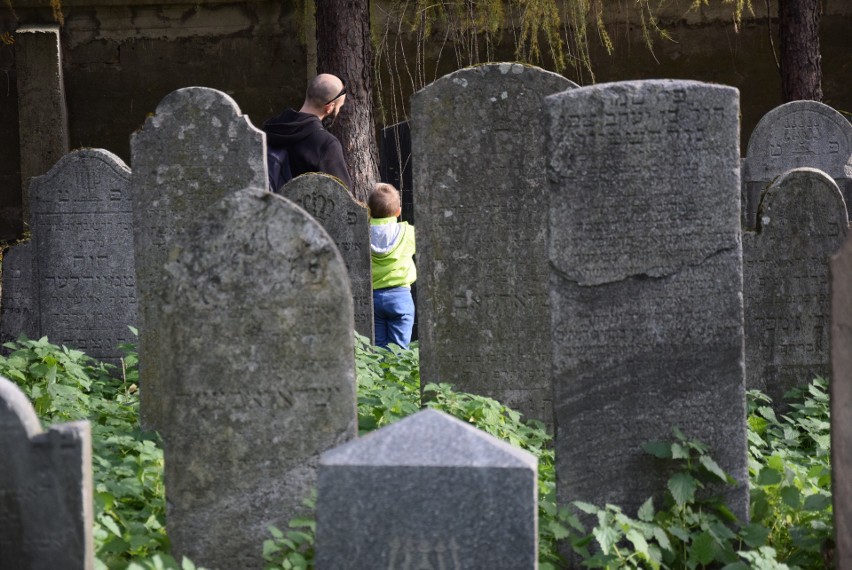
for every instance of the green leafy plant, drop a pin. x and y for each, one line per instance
(294, 549)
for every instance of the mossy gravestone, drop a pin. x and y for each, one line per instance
(646, 285)
(429, 491)
(82, 235)
(795, 135)
(193, 150)
(802, 221)
(18, 300)
(45, 489)
(258, 370)
(481, 200)
(347, 221)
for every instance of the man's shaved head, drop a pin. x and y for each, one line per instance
(322, 89)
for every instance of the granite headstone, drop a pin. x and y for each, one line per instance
(347, 221)
(18, 300)
(802, 221)
(46, 501)
(794, 135)
(481, 199)
(429, 491)
(258, 357)
(646, 284)
(193, 150)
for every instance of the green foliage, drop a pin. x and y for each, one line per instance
(293, 550)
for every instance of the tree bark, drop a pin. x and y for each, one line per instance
(801, 72)
(344, 49)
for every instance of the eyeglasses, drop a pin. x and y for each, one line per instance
(338, 96)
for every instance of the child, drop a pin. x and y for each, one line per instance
(391, 251)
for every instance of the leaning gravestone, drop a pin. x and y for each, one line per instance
(82, 236)
(46, 499)
(802, 221)
(646, 284)
(481, 197)
(257, 353)
(18, 300)
(348, 223)
(794, 135)
(196, 148)
(429, 491)
(841, 403)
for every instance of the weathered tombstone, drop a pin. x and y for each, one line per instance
(46, 499)
(794, 135)
(82, 236)
(841, 403)
(429, 491)
(193, 150)
(646, 284)
(347, 221)
(802, 220)
(257, 356)
(18, 301)
(481, 199)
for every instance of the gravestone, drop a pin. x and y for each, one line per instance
(258, 359)
(347, 221)
(794, 135)
(646, 284)
(196, 148)
(841, 403)
(481, 200)
(46, 518)
(802, 220)
(429, 491)
(18, 300)
(82, 236)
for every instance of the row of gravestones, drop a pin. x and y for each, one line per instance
(647, 302)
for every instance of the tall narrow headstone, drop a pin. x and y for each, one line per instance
(46, 499)
(18, 301)
(646, 284)
(794, 135)
(82, 233)
(481, 201)
(347, 221)
(429, 491)
(841, 403)
(42, 113)
(257, 362)
(196, 148)
(802, 221)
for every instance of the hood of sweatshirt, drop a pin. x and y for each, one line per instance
(384, 237)
(290, 127)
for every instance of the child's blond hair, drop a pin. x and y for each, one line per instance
(383, 201)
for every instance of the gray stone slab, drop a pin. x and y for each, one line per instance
(841, 403)
(18, 301)
(257, 363)
(802, 221)
(480, 197)
(347, 221)
(646, 284)
(82, 233)
(193, 150)
(429, 491)
(42, 113)
(46, 499)
(795, 135)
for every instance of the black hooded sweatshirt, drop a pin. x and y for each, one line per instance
(309, 146)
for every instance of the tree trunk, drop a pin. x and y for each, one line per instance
(344, 49)
(801, 73)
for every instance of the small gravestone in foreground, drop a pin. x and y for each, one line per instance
(348, 223)
(429, 491)
(196, 148)
(46, 499)
(795, 135)
(646, 285)
(802, 221)
(18, 301)
(257, 362)
(82, 236)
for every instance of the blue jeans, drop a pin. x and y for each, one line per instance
(393, 311)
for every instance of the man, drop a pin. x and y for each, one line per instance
(297, 140)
